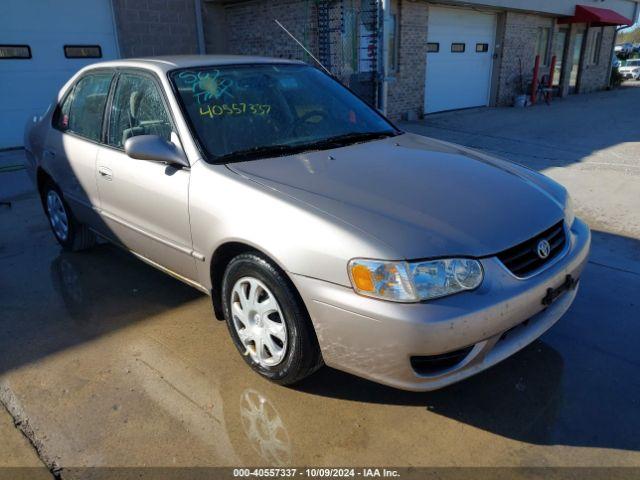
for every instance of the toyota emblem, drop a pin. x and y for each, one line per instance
(544, 249)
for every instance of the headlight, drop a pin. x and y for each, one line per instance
(569, 216)
(439, 278)
(414, 282)
(386, 280)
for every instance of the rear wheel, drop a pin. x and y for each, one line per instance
(267, 321)
(70, 234)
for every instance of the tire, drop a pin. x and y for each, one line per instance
(296, 352)
(70, 234)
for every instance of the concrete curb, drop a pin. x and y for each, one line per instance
(15, 409)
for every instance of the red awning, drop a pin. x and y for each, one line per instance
(597, 17)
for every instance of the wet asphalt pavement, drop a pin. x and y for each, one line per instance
(108, 362)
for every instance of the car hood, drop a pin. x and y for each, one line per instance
(421, 197)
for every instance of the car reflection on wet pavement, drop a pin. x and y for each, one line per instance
(113, 363)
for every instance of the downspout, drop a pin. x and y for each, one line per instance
(116, 34)
(197, 5)
(386, 19)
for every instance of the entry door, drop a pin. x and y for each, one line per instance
(560, 45)
(459, 58)
(144, 203)
(578, 47)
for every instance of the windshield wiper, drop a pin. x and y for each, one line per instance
(262, 151)
(281, 150)
(349, 139)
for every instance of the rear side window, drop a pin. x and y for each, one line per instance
(137, 109)
(62, 115)
(82, 111)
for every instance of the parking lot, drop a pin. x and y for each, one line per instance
(105, 361)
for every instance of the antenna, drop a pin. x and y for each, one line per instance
(303, 47)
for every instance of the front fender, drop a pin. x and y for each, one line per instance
(226, 207)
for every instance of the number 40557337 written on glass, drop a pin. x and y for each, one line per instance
(235, 109)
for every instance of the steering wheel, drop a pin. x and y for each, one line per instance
(313, 113)
(305, 119)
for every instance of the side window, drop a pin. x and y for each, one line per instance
(137, 109)
(87, 106)
(61, 120)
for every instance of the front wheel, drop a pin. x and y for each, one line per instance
(267, 321)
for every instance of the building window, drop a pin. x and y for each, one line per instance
(542, 44)
(392, 38)
(82, 51)
(366, 51)
(458, 47)
(15, 52)
(596, 46)
(433, 47)
(482, 47)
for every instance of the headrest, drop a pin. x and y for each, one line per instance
(134, 103)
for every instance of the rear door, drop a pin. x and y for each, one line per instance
(459, 59)
(144, 203)
(72, 144)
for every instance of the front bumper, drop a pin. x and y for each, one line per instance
(376, 339)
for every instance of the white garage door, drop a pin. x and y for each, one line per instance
(28, 85)
(460, 58)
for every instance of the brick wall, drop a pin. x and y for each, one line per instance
(248, 28)
(518, 45)
(251, 29)
(156, 27)
(214, 25)
(596, 76)
(406, 91)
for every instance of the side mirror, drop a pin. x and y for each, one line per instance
(156, 149)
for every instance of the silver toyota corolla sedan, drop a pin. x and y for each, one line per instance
(323, 233)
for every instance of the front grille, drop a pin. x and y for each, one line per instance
(523, 259)
(435, 364)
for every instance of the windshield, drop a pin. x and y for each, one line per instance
(633, 63)
(249, 111)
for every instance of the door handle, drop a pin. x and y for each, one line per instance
(50, 153)
(105, 173)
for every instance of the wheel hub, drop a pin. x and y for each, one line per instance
(258, 321)
(57, 215)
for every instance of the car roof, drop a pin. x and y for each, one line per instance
(163, 64)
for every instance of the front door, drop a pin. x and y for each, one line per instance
(578, 47)
(144, 203)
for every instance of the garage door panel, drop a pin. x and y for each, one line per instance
(459, 80)
(28, 86)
